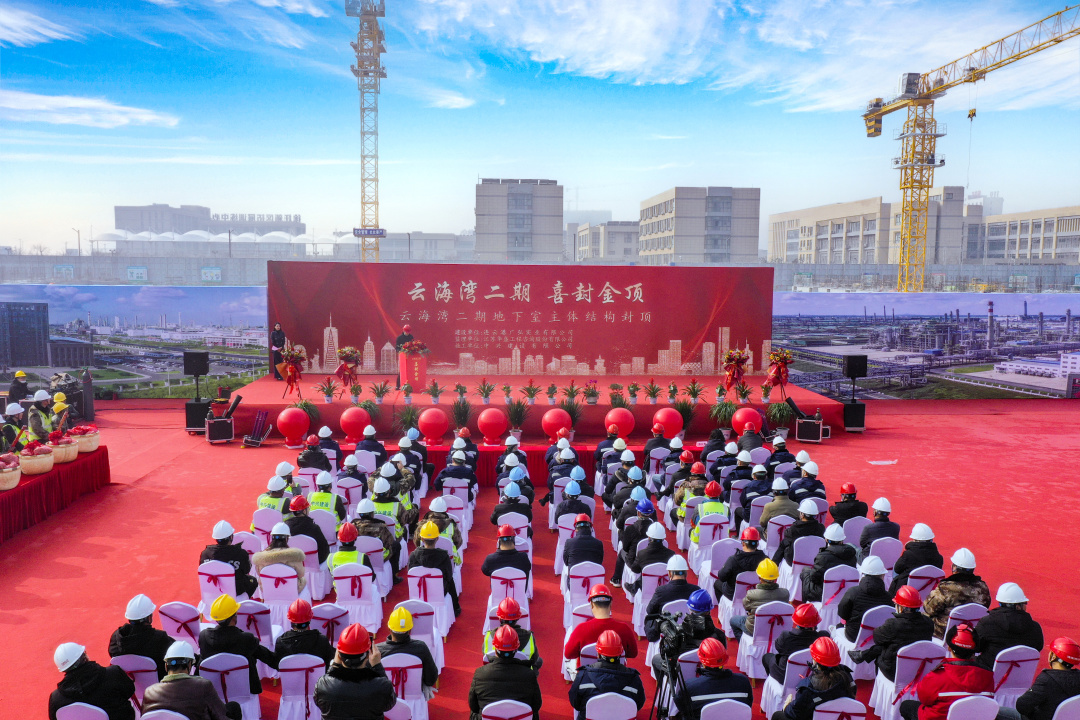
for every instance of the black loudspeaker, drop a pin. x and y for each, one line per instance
(855, 366)
(799, 414)
(854, 416)
(195, 415)
(196, 362)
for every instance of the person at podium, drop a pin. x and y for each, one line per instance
(404, 337)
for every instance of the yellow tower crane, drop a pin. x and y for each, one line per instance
(918, 151)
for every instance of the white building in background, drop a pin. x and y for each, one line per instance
(696, 225)
(519, 221)
(1050, 367)
(610, 243)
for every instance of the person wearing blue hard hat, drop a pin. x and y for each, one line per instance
(632, 533)
(418, 448)
(515, 473)
(511, 501)
(571, 503)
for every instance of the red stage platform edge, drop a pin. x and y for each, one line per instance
(265, 394)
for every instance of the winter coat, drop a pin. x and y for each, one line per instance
(742, 561)
(844, 510)
(673, 590)
(313, 457)
(830, 556)
(190, 695)
(504, 679)
(354, 694)
(292, 557)
(443, 521)
(303, 642)
(1005, 627)
(765, 592)
(141, 639)
(231, 639)
(605, 677)
(438, 559)
(632, 535)
(806, 487)
(957, 589)
(808, 698)
(780, 505)
(790, 642)
(375, 447)
(511, 506)
(916, 554)
(880, 528)
(583, 548)
(869, 593)
(711, 683)
(304, 525)
(778, 457)
(953, 680)
(512, 558)
(653, 443)
(798, 529)
(653, 552)
(750, 441)
(417, 648)
(1050, 689)
(105, 687)
(900, 630)
(236, 556)
(376, 529)
(572, 506)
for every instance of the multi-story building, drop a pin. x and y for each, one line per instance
(519, 221)
(609, 243)
(1050, 236)
(696, 225)
(160, 218)
(24, 334)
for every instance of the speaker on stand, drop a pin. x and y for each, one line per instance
(197, 364)
(855, 367)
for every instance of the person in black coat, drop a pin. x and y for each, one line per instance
(300, 639)
(677, 588)
(657, 440)
(806, 526)
(808, 485)
(572, 504)
(507, 556)
(712, 680)
(277, 344)
(1054, 685)
(654, 552)
(760, 485)
(800, 637)
(355, 686)
(922, 550)
(825, 683)
(223, 550)
(730, 457)
(621, 508)
(312, 455)
(400, 641)
(300, 524)
(458, 470)
(583, 547)
(606, 675)
(327, 442)
(779, 456)
(836, 552)
(138, 636)
(907, 625)
(716, 442)
(631, 535)
(745, 559)
(226, 637)
(108, 688)
(1008, 625)
(371, 445)
(869, 593)
(512, 502)
(606, 444)
(505, 678)
(849, 506)
(750, 439)
(430, 556)
(880, 528)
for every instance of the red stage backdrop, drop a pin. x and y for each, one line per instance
(531, 320)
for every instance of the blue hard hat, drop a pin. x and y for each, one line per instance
(578, 473)
(645, 507)
(512, 490)
(572, 488)
(517, 474)
(699, 601)
(413, 434)
(635, 473)
(638, 494)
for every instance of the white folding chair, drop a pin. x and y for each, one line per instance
(970, 613)
(773, 692)
(154, 715)
(254, 617)
(426, 585)
(305, 477)
(653, 575)
(976, 707)
(352, 492)
(506, 710)
(327, 522)
(757, 506)
(83, 711)
(925, 578)
(840, 709)
(735, 495)
(279, 591)
(263, 521)
(865, 638)
(456, 508)
(508, 582)
(889, 551)
(556, 498)
(372, 549)
(423, 615)
(656, 456)
(459, 487)
(782, 468)
(366, 461)
(444, 543)
(249, 541)
(215, 578)
(913, 662)
(803, 553)
(1014, 671)
(142, 671)
(853, 528)
(400, 711)
(682, 531)
(770, 620)
(579, 579)
(726, 710)
(1068, 710)
(711, 566)
(229, 674)
(566, 531)
(610, 706)
(711, 529)
(299, 674)
(726, 609)
(330, 619)
(520, 523)
(837, 581)
(181, 622)
(356, 592)
(318, 579)
(759, 456)
(776, 528)
(405, 673)
(580, 614)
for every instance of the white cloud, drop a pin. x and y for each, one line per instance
(23, 29)
(179, 160)
(656, 136)
(448, 99)
(21, 106)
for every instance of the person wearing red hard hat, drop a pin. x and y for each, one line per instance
(958, 676)
(745, 559)
(750, 438)
(509, 613)
(1053, 686)
(356, 685)
(505, 677)
(312, 455)
(507, 555)
(849, 505)
(583, 546)
(712, 680)
(606, 675)
(693, 487)
(827, 680)
(301, 639)
(907, 625)
(605, 445)
(301, 524)
(589, 631)
(713, 505)
(835, 553)
(656, 441)
(801, 636)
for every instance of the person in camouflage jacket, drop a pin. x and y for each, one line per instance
(960, 588)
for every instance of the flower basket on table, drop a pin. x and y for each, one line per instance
(294, 357)
(64, 449)
(87, 436)
(35, 459)
(10, 473)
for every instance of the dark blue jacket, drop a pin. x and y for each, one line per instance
(721, 462)
(583, 548)
(793, 474)
(807, 699)
(602, 677)
(332, 444)
(602, 447)
(778, 457)
(712, 685)
(459, 472)
(881, 527)
(754, 489)
(806, 487)
(374, 446)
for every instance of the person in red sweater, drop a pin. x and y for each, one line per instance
(589, 631)
(958, 677)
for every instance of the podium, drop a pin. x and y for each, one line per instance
(413, 370)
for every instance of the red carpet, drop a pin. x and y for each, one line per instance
(975, 471)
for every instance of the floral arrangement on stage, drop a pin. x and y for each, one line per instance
(652, 391)
(766, 392)
(328, 388)
(551, 392)
(616, 396)
(571, 391)
(694, 390)
(506, 392)
(379, 390)
(632, 390)
(354, 392)
(484, 390)
(461, 391)
(672, 392)
(591, 392)
(778, 368)
(734, 364)
(530, 391)
(292, 355)
(349, 354)
(415, 347)
(434, 390)
(742, 391)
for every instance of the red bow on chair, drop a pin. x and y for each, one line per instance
(184, 625)
(661, 581)
(585, 579)
(356, 585)
(923, 662)
(774, 620)
(399, 676)
(279, 581)
(225, 679)
(307, 686)
(1012, 665)
(332, 625)
(508, 583)
(421, 587)
(869, 637)
(252, 624)
(843, 584)
(213, 579)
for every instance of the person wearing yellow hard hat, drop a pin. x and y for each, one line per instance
(766, 591)
(400, 640)
(429, 556)
(18, 388)
(226, 637)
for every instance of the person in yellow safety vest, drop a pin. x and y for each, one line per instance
(367, 525)
(693, 487)
(346, 552)
(284, 470)
(39, 419)
(447, 525)
(713, 506)
(509, 612)
(387, 504)
(405, 490)
(14, 434)
(274, 497)
(324, 499)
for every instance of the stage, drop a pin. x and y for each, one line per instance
(266, 394)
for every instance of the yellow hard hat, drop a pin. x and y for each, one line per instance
(429, 531)
(60, 406)
(223, 608)
(59, 397)
(400, 621)
(20, 374)
(767, 570)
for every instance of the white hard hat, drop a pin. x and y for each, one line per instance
(281, 529)
(922, 531)
(365, 507)
(221, 531)
(676, 563)
(404, 442)
(180, 650)
(808, 507)
(567, 454)
(387, 470)
(1011, 594)
(778, 440)
(627, 456)
(382, 485)
(351, 461)
(779, 484)
(324, 478)
(40, 396)
(744, 456)
(459, 444)
(802, 457)
(882, 505)
(511, 440)
(619, 445)
(872, 566)
(398, 457)
(562, 444)
(511, 460)
(512, 490)
(760, 469)
(369, 430)
(283, 468)
(67, 654)
(676, 443)
(810, 468)
(325, 432)
(460, 455)
(835, 533)
(656, 531)
(13, 409)
(963, 558)
(140, 606)
(731, 448)
(438, 505)
(275, 483)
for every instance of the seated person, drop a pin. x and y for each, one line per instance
(745, 559)
(801, 636)
(429, 556)
(961, 587)
(713, 680)
(957, 677)
(1054, 685)
(505, 677)
(301, 639)
(511, 501)
(1008, 625)
(507, 555)
(606, 675)
(312, 455)
(835, 553)
(138, 636)
(509, 613)
(869, 593)
(572, 504)
(584, 546)
(880, 528)
(828, 680)
(587, 632)
(907, 625)
(767, 590)
(400, 641)
(849, 506)
(921, 550)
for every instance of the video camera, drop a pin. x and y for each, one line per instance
(677, 632)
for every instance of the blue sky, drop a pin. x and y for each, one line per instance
(249, 106)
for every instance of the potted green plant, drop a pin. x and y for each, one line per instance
(742, 391)
(406, 391)
(571, 391)
(779, 415)
(462, 411)
(694, 390)
(632, 390)
(506, 393)
(530, 392)
(574, 410)
(379, 390)
(327, 388)
(686, 409)
(354, 390)
(434, 390)
(616, 395)
(652, 391)
(310, 408)
(371, 408)
(517, 412)
(461, 391)
(672, 392)
(722, 412)
(552, 391)
(591, 392)
(484, 390)
(766, 392)
(405, 418)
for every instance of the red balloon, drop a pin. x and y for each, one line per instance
(293, 423)
(743, 416)
(555, 420)
(622, 418)
(670, 419)
(352, 423)
(433, 423)
(492, 423)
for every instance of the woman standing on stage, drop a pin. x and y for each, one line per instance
(277, 344)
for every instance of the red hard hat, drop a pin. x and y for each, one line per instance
(354, 640)
(908, 597)
(599, 590)
(712, 653)
(609, 644)
(563, 432)
(612, 429)
(506, 531)
(824, 652)
(749, 426)
(347, 533)
(505, 639)
(697, 469)
(582, 518)
(806, 615)
(406, 328)
(751, 533)
(299, 612)
(686, 456)
(963, 637)
(299, 503)
(657, 428)
(1067, 650)
(713, 489)
(464, 432)
(508, 609)
(311, 440)
(847, 489)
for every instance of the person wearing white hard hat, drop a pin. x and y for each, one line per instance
(420, 450)
(373, 446)
(512, 450)
(275, 496)
(781, 504)
(327, 442)
(961, 587)
(224, 550)
(729, 458)
(138, 636)
(806, 525)
(801, 458)
(869, 593)
(779, 455)
(605, 446)
(511, 500)
(324, 498)
(1008, 625)
(108, 688)
(835, 553)
(675, 449)
(458, 469)
(284, 470)
(39, 417)
(881, 527)
(621, 475)
(551, 454)
(13, 436)
(189, 695)
(676, 588)
(920, 550)
(350, 468)
(760, 485)
(654, 552)
(448, 528)
(278, 551)
(387, 503)
(367, 525)
(405, 477)
(656, 441)
(808, 485)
